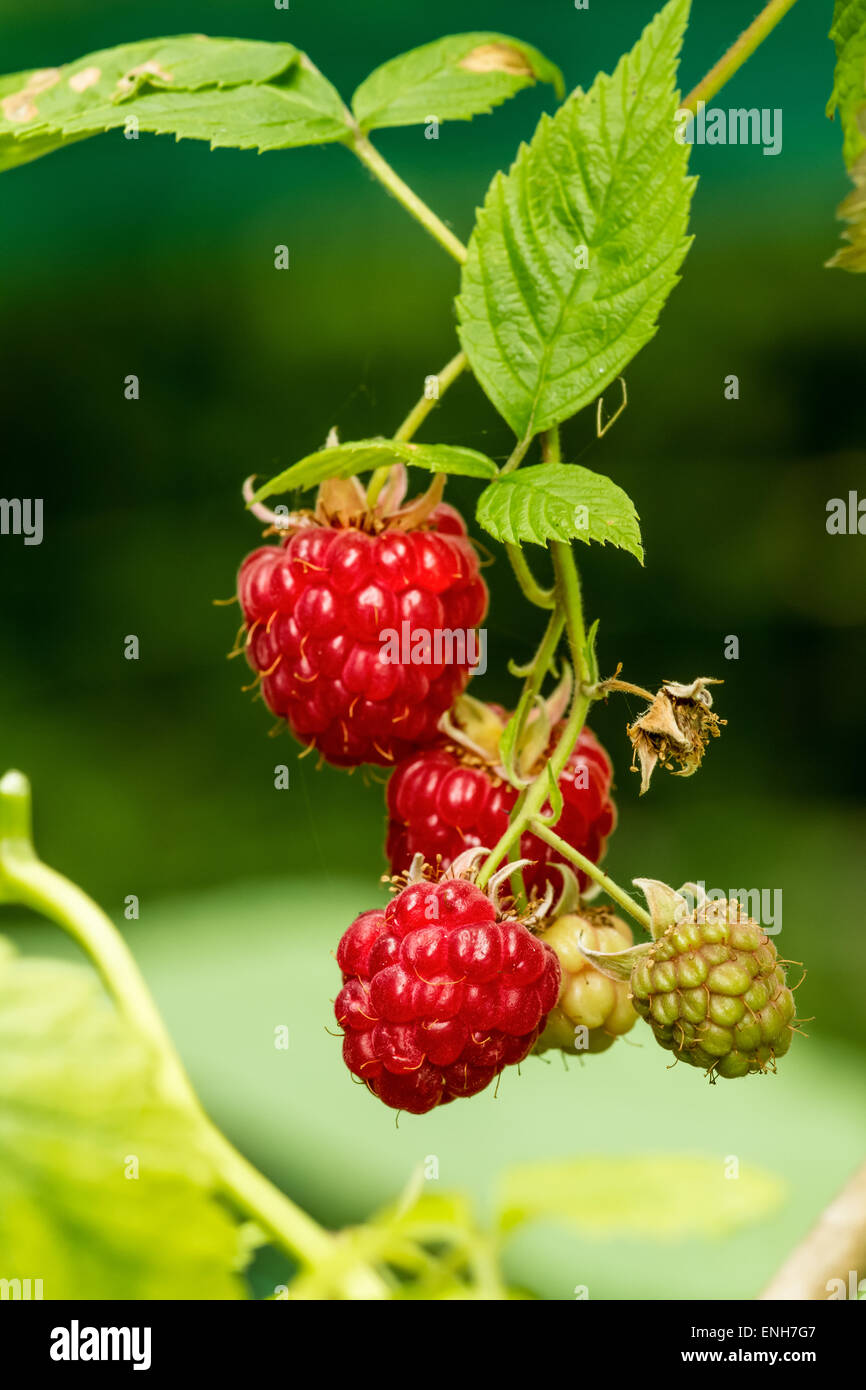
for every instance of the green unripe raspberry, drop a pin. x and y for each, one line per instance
(713, 991)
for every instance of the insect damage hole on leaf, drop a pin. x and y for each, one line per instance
(456, 77)
(496, 57)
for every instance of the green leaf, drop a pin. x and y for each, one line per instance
(229, 92)
(663, 1196)
(853, 211)
(452, 79)
(345, 460)
(560, 502)
(577, 248)
(849, 98)
(430, 1216)
(437, 1239)
(848, 33)
(80, 1114)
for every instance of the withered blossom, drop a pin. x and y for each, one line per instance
(676, 728)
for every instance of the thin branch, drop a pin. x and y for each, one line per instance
(414, 205)
(415, 419)
(517, 454)
(419, 412)
(833, 1249)
(535, 592)
(580, 861)
(737, 54)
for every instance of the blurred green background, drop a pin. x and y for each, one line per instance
(156, 777)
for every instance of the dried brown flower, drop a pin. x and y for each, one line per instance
(675, 728)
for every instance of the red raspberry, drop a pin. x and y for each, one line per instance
(439, 994)
(314, 608)
(443, 800)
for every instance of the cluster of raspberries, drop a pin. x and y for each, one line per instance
(315, 608)
(443, 988)
(440, 991)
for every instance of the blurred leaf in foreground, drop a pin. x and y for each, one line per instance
(662, 1196)
(101, 1192)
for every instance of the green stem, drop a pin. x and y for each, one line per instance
(550, 452)
(378, 479)
(571, 601)
(541, 598)
(534, 679)
(414, 205)
(531, 802)
(551, 446)
(24, 879)
(415, 419)
(738, 52)
(574, 856)
(48, 893)
(419, 412)
(517, 454)
(535, 674)
(543, 659)
(568, 612)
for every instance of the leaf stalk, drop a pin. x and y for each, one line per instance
(415, 206)
(739, 51)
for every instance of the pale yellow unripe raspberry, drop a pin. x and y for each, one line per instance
(593, 1011)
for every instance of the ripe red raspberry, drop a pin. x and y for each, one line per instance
(445, 799)
(439, 994)
(315, 607)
